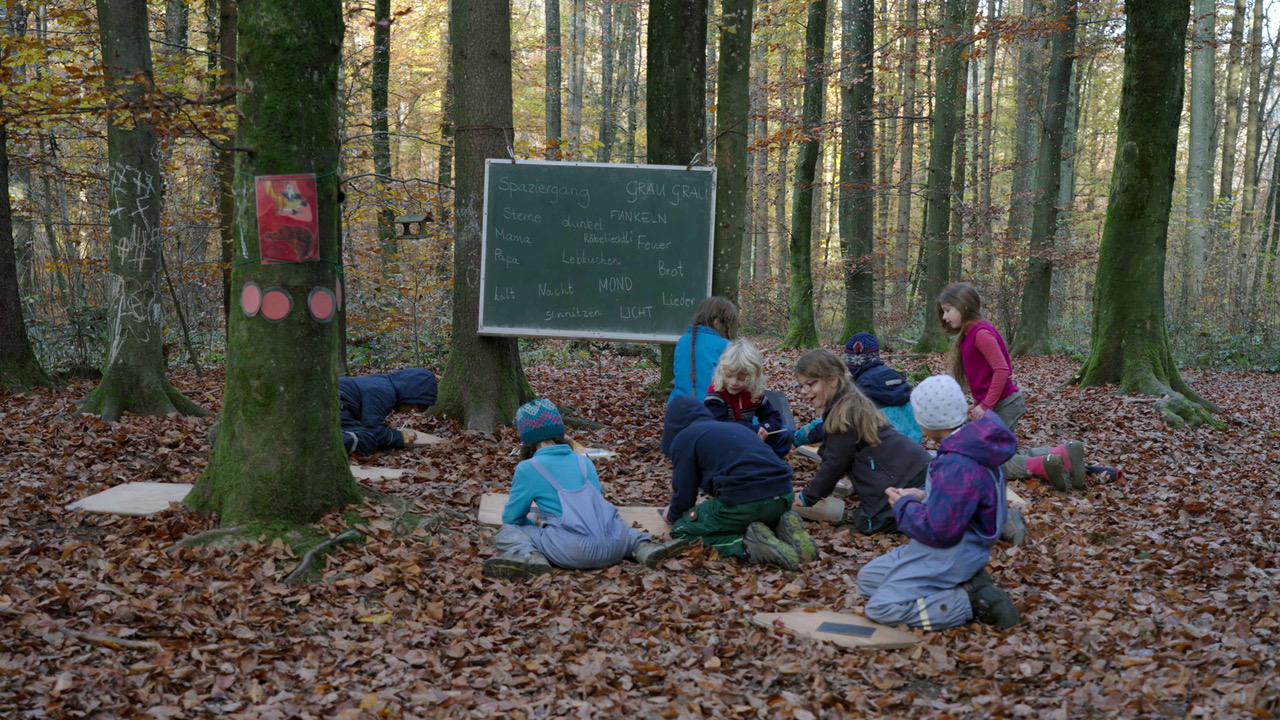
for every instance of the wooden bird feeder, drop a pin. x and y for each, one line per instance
(412, 226)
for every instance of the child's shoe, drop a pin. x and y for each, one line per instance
(762, 546)
(791, 531)
(652, 554)
(1015, 527)
(990, 604)
(1072, 454)
(1051, 468)
(513, 567)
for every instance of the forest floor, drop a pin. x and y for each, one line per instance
(1157, 595)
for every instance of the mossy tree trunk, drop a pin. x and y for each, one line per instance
(1032, 337)
(1130, 344)
(225, 160)
(380, 74)
(857, 158)
(937, 252)
(278, 457)
(133, 379)
(483, 382)
(733, 108)
(802, 330)
(676, 106)
(19, 368)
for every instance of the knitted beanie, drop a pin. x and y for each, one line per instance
(537, 421)
(861, 349)
(938, 403)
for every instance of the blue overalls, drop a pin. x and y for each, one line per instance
(920, 585)
(588, 534)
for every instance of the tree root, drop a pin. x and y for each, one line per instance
(306, 570)
(1178, 411)
(112, 641)
(210, 536)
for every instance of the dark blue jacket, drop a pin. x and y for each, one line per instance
(885, 386)
(366, 401)
(724, 460)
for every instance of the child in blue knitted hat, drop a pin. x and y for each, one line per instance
(576, 527)
(883, 385)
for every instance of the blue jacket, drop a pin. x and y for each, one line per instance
(724, 460)
(884, 385)
(709, 347)
(961, 491)
(528, 486)
(366, 401)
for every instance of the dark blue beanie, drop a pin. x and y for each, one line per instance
(861, 349)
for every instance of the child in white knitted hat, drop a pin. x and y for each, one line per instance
(938, 580)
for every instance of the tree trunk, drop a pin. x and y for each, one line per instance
(225, 160)
(1199, 166)
(801, 329)
(1032, 337)
(1130, 344)
(986, 243)
(606, 82)
(19, 368)
(780, 197)
(761, 187)
(483, 382)
(1231, 123)
(577, 73)
(551, 98)
(902, 248)
(732, 116)
(857, 159)
(960, 166)
(676, 110)
(134, 379)
(937, 254)
(1027, 134)
(1252, 119)
(278, 456)
(380, 77)
(628, 72)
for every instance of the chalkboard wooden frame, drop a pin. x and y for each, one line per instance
(668, 316)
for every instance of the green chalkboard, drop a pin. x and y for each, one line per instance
(595, 250)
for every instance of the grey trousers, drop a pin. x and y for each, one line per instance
(1011, 410)
(520, 540)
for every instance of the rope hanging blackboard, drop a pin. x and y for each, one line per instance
(595, 250)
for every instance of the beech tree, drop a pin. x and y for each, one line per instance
(1199, 147)
(278, 456)
(19, 368)
(732, 112)
(857, 146)
(1130, 343)
(133, 379)
(483, 382)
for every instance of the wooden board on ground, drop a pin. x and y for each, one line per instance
(135, 498)
(810, 452)
(646, 518)
(376, 473)
(843, 629)
(417, 438)
(1014, 499)
(829, 509)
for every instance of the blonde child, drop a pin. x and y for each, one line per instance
(737, 395)
(859, 442)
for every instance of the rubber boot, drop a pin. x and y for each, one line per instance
(791, 531)
(990, 604)
(517, 567)
(1015, 527)
(1072, 454)
(762, 546)
(652, 554)
(1049, 467)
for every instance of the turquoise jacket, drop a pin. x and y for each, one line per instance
(528, 486)
(708, 349)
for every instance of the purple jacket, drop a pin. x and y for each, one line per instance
(961, 491)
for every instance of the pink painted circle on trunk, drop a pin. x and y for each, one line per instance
(250, 299)
(321, 302)
(276, 304)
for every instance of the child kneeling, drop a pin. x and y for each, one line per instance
(938, 580)
(577, 528)
(748, 514)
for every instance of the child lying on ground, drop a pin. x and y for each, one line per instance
(577, 528)
(938, 580)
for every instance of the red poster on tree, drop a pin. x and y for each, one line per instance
(288, 229)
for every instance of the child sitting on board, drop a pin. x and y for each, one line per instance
(859, 442)
(938, 579)
(737, 395)
(577, 528)
(748, 512)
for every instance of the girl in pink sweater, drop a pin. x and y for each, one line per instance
(980, 362)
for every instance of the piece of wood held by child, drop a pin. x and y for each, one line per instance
(828, 509)
(377, 473)
(134, 499)
(417, 438)
(593, 453)
(844, 629)
(645, 518)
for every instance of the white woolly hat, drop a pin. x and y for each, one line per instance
(939, 404)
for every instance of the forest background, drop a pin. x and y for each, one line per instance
(1221, 253)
